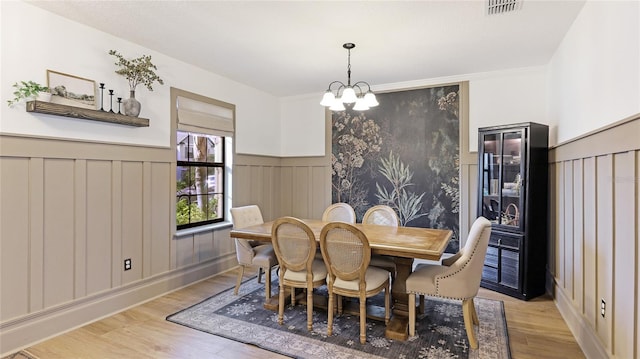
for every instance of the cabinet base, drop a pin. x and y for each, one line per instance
(511, 291)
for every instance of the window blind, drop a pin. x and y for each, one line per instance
(202, 117)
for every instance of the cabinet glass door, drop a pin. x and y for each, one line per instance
(502, 180)
(511, 179)
(491, 176)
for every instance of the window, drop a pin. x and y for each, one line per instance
(200, 179)
(204, 144)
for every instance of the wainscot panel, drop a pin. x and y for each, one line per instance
(594, 235)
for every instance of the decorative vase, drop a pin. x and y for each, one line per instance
(131, 105)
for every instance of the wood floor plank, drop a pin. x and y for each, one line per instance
(536, 330)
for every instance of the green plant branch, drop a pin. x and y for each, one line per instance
(25, 90)
(137, 71)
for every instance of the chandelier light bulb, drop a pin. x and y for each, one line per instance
(337, 105)
(370, 99)
(349, 95)
(361, 104)
(328, 98)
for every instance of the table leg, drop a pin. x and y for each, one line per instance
(398, 327)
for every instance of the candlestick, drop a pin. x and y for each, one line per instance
(119, 102)
(111, 100)
(101, 96)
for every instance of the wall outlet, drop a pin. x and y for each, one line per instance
(603, 307)
(127, 264)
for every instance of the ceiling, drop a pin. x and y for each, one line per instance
(290, 48)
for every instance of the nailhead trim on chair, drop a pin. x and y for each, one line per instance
(452, 274)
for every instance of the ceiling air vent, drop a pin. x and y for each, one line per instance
(502, 6)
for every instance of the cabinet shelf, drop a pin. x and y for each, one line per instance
(85, 114)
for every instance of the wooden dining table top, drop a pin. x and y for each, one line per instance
(409, 242)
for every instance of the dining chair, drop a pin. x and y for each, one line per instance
(382, 215)
(342, 212)
(256, 255)
(385, 216)
(457, 278)
(295, 246)
(347, 254)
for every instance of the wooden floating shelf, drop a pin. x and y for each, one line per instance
(85, 113)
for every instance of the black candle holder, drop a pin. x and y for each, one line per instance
(119, 102)
(111, 100)
(101, 96)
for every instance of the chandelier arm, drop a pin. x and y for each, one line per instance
(357, 85)
(335, 82)
(363, 82)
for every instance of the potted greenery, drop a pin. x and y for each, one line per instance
(137, 71)
(29, 90)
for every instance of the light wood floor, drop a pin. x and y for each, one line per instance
(536, 330)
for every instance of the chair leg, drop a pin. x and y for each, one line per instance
(309, 308)
(412, 314)
(387, 305)
(421, 304)
(239, 280)
(330, 313)
(267, 284)
(260, 275)
(474, 316)
(363, 319)
(281, 303)
(339, 304)
(467, 309)
(293, 296)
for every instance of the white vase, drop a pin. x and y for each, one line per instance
(44, 96)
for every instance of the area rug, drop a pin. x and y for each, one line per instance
(440, 331)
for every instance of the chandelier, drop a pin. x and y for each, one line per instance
(348, 94)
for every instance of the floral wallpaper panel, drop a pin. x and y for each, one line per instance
(403, 153)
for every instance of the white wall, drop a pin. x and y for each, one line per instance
(502, 98)
(594, 76)
(302, 126)
(52, 42)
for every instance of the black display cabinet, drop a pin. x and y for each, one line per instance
(513, 185)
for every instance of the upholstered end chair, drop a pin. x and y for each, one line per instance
(252, 253)
(458, 278)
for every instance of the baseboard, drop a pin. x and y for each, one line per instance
(26, 331)
(585, 335)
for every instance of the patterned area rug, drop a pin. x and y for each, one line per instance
(440, 332)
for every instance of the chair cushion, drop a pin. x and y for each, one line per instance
(264, 256)
(374, 277)
(318, 268)
(422, 280)
(382, 261)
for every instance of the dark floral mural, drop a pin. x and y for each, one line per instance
(403, 153)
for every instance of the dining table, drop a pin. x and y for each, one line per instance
(403, 244)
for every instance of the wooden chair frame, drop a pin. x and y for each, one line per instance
(287, 264)
(359, 273)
